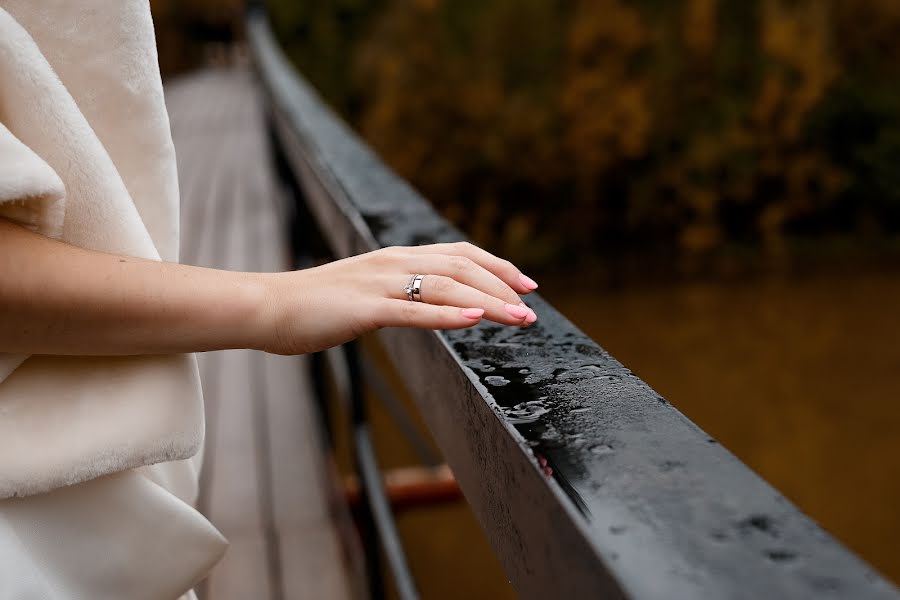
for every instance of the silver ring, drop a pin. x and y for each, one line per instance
(413, 289)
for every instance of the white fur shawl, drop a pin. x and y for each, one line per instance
(86, 156)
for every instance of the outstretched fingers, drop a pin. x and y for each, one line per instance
(438, 289)
(463, 270)
(403, 313)
(505, 270)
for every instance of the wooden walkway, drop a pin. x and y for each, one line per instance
(262, 483)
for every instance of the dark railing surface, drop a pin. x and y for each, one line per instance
(587, 483)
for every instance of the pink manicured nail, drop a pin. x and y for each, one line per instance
(517, 312)
(528, 282)
(531, 318)
(473, 313)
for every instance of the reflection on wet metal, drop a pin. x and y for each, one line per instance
(522, 391)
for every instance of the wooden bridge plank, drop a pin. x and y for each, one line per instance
(300, 505)
(261, 483)
(235, 502)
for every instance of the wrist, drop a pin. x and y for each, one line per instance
(237, 315)
(260, 316)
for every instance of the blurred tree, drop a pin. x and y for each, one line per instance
(320, 36)
(623, 126)
(472, 84)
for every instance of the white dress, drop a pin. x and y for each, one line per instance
(97, 478)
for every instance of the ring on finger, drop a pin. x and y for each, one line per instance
(413, 289)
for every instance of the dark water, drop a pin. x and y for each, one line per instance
(799, 377)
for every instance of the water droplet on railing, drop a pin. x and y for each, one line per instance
(719, 536)
(584, 372)
(497, 380)
(670, 465)
(781, 556)
(550, 434)
(758, 523)
(525, 412)
(602, 449)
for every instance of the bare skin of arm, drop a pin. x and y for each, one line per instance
(60, 299)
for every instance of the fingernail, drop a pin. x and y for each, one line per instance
(472, 313)
(531, 318)
(517, 312)
(528, 282)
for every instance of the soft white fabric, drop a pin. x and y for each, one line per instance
(67, 536)
(31, 192)
(97, 447)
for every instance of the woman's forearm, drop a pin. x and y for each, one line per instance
(60, 299)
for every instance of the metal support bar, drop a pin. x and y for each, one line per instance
(411, 487)
(379, 509)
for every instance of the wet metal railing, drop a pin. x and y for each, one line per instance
(587, 483)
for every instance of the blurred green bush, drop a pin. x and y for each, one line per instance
(623, 127)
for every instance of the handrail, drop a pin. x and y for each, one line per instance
(586, 481)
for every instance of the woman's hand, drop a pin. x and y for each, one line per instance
(317, 308)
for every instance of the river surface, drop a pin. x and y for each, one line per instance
(799, 377)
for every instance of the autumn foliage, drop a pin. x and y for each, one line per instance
(544, 126)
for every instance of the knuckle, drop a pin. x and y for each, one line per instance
(362, 324)
(461, 264)
(381, 314)
(379, 257)
(441, 284)
(380, 320)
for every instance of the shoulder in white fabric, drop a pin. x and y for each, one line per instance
(104, 53)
